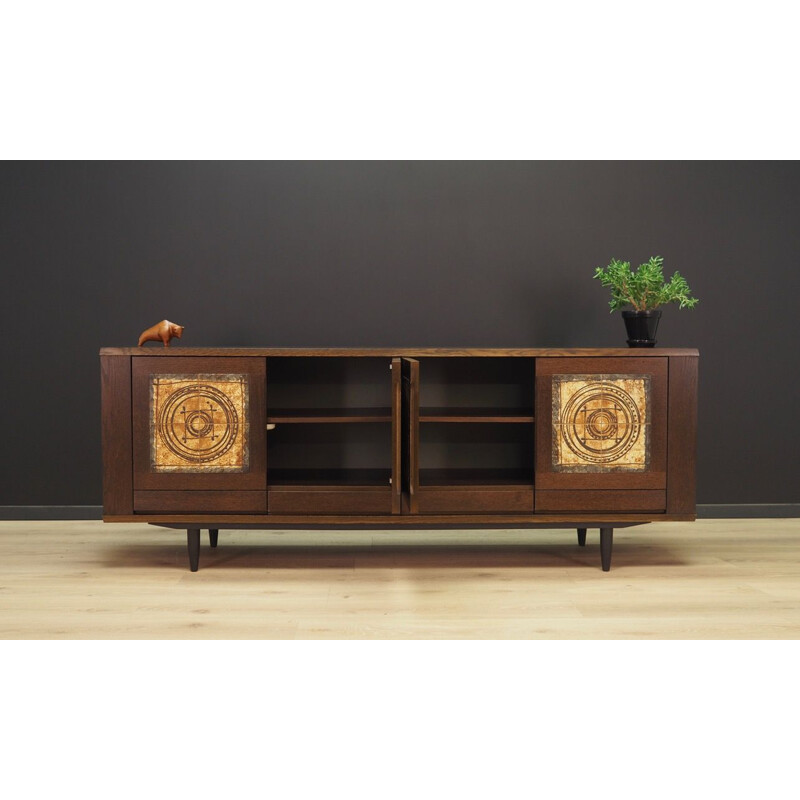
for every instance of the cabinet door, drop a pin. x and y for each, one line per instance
(199, 434)
(601, 434)
(410, 435)
(450, 451)
(397, 435)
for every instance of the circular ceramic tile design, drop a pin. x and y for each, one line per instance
(198, 423)
(600, 423)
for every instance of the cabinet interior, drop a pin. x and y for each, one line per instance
(478, 453)
(329, 453)
(309, 390)
(333, 418)
(476, 389)
(476, 421)
(332, 421)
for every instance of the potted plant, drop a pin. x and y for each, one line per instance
(644, 290)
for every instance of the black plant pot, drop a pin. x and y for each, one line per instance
(641, 327)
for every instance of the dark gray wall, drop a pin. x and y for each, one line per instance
(393, 253)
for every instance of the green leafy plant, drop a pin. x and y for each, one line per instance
(645, 288)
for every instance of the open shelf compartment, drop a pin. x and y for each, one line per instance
(465, 468)
(481, 390)
(318, 460)
(328, 389)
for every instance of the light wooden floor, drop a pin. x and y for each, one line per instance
(712, 579)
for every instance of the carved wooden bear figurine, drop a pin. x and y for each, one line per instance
(161, 332)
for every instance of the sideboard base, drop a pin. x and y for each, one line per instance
(193, 528)
(193, 543)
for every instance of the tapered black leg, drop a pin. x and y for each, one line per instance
(193, 540)
(582, 537)
(606, 540)
(213, 537)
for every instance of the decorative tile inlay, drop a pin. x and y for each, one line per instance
(199, 423)
(601, 423)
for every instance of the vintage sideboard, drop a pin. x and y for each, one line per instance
(419, 438)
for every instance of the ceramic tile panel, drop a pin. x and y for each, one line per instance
(601, 423)
(199, 423)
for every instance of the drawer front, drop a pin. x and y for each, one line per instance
(475, 500)
(635, 501)
(199, 502)
(325, 500)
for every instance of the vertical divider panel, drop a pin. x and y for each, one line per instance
(410, 435)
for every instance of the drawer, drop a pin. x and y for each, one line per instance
(631, 501)
(350, 500)
(475, 500)
(198, 502)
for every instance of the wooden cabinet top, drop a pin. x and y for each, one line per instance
(408, 352)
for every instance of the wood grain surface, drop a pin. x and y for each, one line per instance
(343, 500)
(605, 500)
(682, 435)
(198, 501)
(476, 499)
(713, 579)
(115, 392)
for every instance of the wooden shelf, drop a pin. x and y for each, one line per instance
(476, 415)
(328, 415)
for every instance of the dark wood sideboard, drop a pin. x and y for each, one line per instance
(265, 438)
